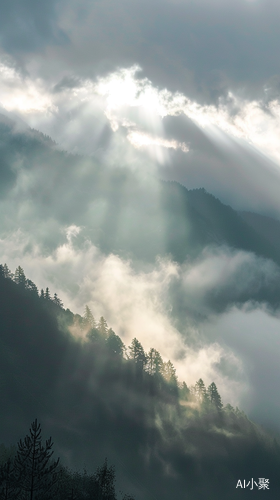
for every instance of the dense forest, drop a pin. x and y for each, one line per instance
(99, 398)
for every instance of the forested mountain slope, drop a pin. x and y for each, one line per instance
(167, 440)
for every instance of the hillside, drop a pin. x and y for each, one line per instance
(164, 438)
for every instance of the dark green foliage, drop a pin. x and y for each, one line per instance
(105, 478)
(154, 364)
(102, 327)
(56, 301)
(88, 319)
(114, 343)
(184, 392)
(29, 476)
(137, 354)
(214, 396)
(30, 286)
(19, 277)
(9, 489)
(5, 272)
(35, 475)
(200, 391)
(97, 404)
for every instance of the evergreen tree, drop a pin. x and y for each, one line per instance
(2, 273)
(154, 362)
(200, 391)
(29, 285)
(56, 300)
(136, 352)
(105, 481)
(214, 396)
(169, 372)
(114, 343)
(184, 391)
(9, 489)
(47, 294)
(88, 320)
(103, 327)
(42, 294)
(7, 273)
(34, 475)
(19, 277)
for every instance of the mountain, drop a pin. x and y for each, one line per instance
(266, 227)
(165, 441)
(196, 219)
(120, 210)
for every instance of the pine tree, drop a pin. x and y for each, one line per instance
(184, 391)
(105, 480)
(214, 396)
(103, 327)
(9, 489)
(34, 475)
(29, 285)
(2, 273)
(169, 372)
(7, 273)
(47, 294)
(56, 300)
(114, 343)
(19, 277)
(88, 320)
(154, 362)
(200, 391)
(136, 352)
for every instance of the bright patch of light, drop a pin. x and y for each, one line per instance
(114, 95)
(23, 95)
(123, 89)
(139, 139)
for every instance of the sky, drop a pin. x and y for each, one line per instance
(175, 90)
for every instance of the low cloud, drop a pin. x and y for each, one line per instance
(135, 303)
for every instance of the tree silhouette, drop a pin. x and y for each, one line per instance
(88, 320)
(154, 362)
(105, 478)
(34, 475)
(114, 343)
(29, 285)
(103, 327)
(56, 300)
(19, 277)
(184, 391)
(200, 391)
(9, 489)
(169, 372)
(214, 396)
(136, 352)
(6, 272)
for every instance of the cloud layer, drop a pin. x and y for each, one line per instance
(175, 90)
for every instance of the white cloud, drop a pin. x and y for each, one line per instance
(77, 114)
(135, 303)
(23, 94)
(139, 139)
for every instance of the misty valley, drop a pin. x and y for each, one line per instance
(134, 410)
